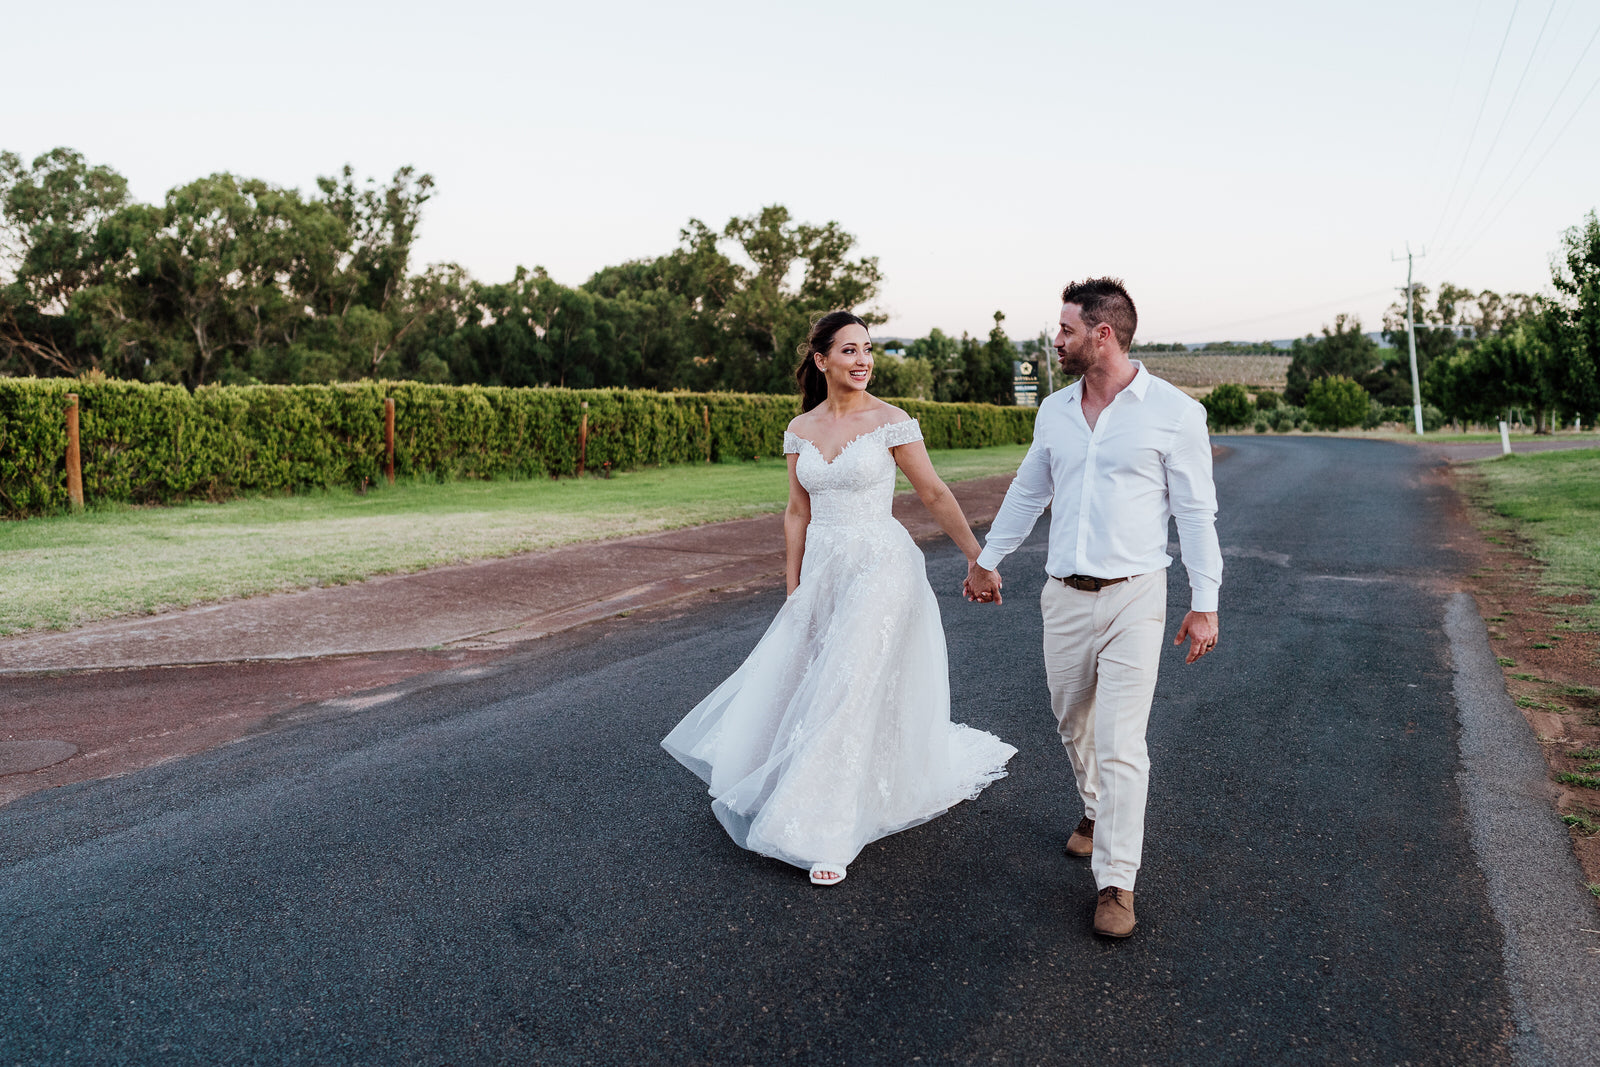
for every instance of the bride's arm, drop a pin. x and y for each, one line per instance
(796, 517)
(937, 497)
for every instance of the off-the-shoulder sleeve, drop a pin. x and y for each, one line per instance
(902, 433)
(791, 443)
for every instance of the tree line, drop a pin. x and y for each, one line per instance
(237, 281)
(1481, 355)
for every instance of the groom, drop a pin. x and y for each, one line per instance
(1113, 456)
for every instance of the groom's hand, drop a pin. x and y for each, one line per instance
(1200, 627)
(981, 586)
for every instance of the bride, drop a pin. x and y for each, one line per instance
(836, 730)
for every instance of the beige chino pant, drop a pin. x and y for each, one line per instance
(1101, 653)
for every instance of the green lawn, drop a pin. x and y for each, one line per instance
(1451, 437)
(1433, 437)
(1553, 501)
(63, 571)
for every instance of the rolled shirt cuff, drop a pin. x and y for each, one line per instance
(989, 559)
(1201, 599)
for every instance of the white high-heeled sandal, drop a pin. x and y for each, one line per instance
(827, 873)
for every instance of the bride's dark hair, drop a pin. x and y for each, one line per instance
(813, 385)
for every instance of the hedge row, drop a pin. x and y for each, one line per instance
(145, 443)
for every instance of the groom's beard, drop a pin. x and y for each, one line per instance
(1074, 360)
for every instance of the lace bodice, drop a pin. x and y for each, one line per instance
(858, 486)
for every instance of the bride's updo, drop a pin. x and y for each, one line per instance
(813, 384)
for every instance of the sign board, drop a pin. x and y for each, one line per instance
(1025, 382)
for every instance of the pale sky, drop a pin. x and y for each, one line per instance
(1248, 168)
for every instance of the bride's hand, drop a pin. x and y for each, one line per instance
(981, 586)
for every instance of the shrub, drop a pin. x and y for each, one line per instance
(1267, 400)
(1261, 424)
(1334, 402)
(1228, 406)
(144, 443)
(1432, 418)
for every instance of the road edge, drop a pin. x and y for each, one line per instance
(1535, 886)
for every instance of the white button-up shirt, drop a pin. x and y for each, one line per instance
(1110, 490)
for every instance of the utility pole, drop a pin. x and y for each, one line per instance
(1411, 339)
(1049, 355)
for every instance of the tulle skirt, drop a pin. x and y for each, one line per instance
(836, 730)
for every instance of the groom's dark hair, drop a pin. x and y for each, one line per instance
(1105, 300)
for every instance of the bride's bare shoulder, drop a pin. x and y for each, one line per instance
(889, 414)
(801, 422)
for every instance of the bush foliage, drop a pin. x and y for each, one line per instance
(1228, 407)
(1335, 402)
(151, 443)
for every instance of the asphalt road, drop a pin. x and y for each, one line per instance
(500, 864)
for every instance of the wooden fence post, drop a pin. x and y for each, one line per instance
(74, 463)
(705, 413)
(583, 437)
(388, 438)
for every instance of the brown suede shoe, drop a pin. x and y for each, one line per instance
(1113, 912)
(1081, 843)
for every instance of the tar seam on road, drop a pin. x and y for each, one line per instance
(1535, 884)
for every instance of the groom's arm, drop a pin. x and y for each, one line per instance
(1192, 497)
(1029, 494)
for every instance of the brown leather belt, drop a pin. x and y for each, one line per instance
(1085, 584)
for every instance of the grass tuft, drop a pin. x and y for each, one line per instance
(1582, 824)
(1587, 781)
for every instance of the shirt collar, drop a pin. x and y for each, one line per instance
(1138, 387)
(1141, 380)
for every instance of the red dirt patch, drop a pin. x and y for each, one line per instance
(1551, 665)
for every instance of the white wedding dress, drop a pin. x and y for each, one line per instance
(836, 730)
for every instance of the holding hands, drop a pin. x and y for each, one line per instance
(981, 586)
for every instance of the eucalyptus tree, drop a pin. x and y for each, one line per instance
(1343, 351)
(222, 269)
(51, 248)
(795, 272)
(942, 353)
(1571, 376)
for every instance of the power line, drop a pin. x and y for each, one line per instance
(1455, 83)
(1473, 136)
(1526, 178)
(1491, 203)
(1495, 140)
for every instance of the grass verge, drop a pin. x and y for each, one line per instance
(1474, 437)
(63, 571)
(1553, 500)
